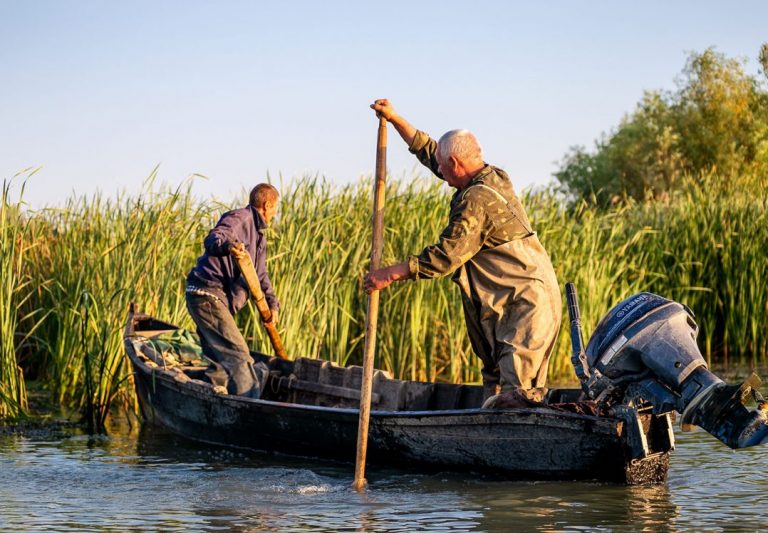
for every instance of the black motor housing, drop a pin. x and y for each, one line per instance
(650, 332)
(647, 345)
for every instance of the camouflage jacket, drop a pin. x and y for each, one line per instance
(485, 214)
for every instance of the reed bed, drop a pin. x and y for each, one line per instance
(93, 257)
(86, 260)
(13, 286)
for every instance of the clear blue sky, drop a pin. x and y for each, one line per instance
(98, 93)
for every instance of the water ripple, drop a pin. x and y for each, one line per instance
(161, 482)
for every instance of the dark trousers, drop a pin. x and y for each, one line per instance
(223, 344)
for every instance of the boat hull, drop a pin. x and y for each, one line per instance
(525, 443)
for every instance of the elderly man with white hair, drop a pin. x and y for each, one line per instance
(510, 293)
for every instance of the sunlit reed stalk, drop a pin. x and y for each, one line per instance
(101, 255)
(14, 290)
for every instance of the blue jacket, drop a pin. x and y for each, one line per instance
(216, 270)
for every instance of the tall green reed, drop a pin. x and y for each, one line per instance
(704, 247)
(15, 291)
(102, 254)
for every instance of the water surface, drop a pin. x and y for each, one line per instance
(151, 480)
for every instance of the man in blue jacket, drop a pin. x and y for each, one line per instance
(216, 290)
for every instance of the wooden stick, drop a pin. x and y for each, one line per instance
(245, 264)
(372, 316)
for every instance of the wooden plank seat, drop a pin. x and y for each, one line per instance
(280, 384)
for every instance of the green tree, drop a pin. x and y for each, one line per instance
(716, 120)
(715, 115)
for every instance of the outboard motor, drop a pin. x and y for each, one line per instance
(644, 350)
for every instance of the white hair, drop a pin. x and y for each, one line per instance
(462, 145)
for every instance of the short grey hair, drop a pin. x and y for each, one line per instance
(461, 144)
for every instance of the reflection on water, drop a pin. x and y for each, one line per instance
(156, 481)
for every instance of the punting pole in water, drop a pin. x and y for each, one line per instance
(246, 267)
(372, 316)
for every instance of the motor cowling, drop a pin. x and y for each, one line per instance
(645, 349)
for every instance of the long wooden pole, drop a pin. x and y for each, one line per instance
(252, 280)
(372, 317)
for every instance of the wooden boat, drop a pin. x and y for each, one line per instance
(310, 408)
